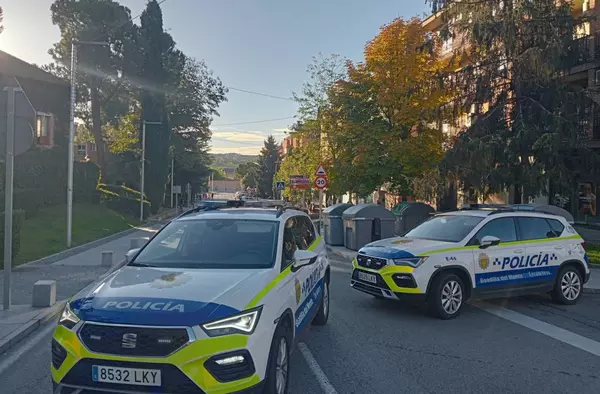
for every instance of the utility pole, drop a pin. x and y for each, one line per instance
(144, 123)
(8, 193)
(172, 173)
(74, 44)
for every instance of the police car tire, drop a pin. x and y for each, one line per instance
(434, 298)
(283, 331)
(322, 315)
(557, 294)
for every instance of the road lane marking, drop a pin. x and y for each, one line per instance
(326, 386)
(560, 334)
(26, 345)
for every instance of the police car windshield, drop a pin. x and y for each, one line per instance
(212, 243)
(446, 228)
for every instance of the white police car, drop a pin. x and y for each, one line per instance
(211, 304)
(476, 253)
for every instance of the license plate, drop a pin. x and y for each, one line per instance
(134, 376)
(367, 277)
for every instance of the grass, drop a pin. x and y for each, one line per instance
(593, 252)
(46, 233)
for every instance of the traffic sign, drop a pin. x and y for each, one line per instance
(321, 182)
(299, 182)
(280, 185)
(321, 171)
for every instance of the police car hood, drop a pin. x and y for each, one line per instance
(397, 248)
(168, 297)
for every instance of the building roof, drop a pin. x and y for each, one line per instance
(12, 66)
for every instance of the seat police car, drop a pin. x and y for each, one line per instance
(213, 303)
(483, 253)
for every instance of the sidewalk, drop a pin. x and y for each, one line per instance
(592, 287)
(71, 274)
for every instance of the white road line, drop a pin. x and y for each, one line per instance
(316, 369)
(560, 334)
(24, 347)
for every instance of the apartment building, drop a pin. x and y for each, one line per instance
(584, 72)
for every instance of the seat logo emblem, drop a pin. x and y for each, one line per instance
(369, 262)
(129, 340)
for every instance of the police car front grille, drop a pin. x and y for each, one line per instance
(132, 341)
(173, 380)
(374, 263)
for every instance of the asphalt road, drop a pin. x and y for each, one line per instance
(524, 345)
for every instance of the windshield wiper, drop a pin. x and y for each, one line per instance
(140, 265)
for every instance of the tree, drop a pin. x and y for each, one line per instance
(249, 174)
(269, 158)
(102, 70)
(157, 48)
(1, 19)
(527, 131)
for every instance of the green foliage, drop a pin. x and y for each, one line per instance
(40, 180)
(123, 203)
(18, 218)
(532, 133)
(231, 160)
(249, 174)
(269, 158)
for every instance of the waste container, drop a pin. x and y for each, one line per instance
(334, 224)
(409, 215)
(365, 223)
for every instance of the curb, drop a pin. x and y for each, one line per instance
(31, 326)
(590, 290)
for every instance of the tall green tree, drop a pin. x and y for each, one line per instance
(102, 70)
(249, 174)
(531, 133)
(269, 159)
(156, 48)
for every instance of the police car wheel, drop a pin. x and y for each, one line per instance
(322, 315)
(568, 287)
(278, 368)
(447, 296)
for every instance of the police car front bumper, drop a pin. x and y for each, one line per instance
(195, 366)
(393, 282)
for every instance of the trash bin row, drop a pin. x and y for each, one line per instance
(354, 226)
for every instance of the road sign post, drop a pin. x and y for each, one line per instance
(321, 183)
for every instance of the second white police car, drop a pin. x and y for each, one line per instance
(483, 253)
(213, 303)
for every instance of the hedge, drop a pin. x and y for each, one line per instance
(123, 204)
(18, 217)
(40, 180)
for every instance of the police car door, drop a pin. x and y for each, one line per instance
(494, 264)
(307, 282)
(543, 256)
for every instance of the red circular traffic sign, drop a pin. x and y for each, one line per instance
(321, 182)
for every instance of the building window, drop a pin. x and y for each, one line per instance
(81, 150)
(92, 147)
(43, 124)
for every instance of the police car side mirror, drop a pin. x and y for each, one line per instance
(131, 254)
(488, 241)
(303, 258)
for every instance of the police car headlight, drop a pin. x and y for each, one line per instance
(411, 262)
(68, 318)
(243, 323)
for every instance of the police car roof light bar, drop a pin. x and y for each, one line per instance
(284, 208)
(474, 206)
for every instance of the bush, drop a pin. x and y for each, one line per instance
(18, 217)
(85, 182)
(40, 180)
(123, 204)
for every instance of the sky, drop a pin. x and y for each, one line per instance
(262, 46)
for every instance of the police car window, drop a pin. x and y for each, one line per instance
(213, 243)
(557, 226)
(290, 244)
(534, 228)
(502, 228)
(448, 228)
(307, 232)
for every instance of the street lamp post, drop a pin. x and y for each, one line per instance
(74, 45)
(144, 123)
